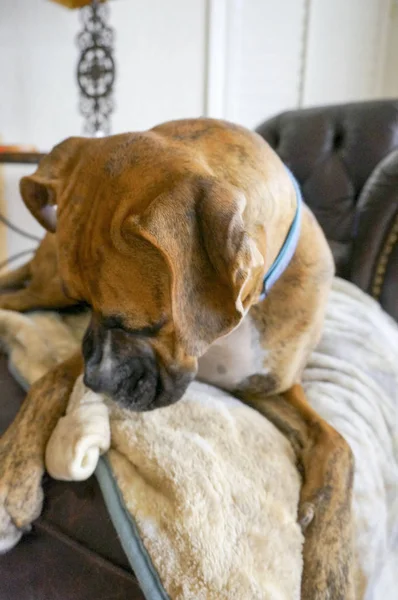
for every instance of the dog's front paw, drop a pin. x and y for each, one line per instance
(9, 532)
(21, 495)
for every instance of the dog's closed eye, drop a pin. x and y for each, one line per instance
(82, 303)
(116, 322)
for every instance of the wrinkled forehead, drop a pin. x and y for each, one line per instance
(139, 165)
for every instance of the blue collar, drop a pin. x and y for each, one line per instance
(288, 249)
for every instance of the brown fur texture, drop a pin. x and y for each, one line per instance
(39, 279)
(170, 232)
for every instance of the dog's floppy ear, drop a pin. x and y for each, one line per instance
(214, 265)
(40, 191)
(39, 195)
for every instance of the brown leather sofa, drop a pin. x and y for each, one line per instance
(346, 160)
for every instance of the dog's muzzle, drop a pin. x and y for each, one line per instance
(124, 367)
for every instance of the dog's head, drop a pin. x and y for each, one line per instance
(157, 247)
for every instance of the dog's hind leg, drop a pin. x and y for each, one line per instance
(43, 287)
(29, 298)
(15, 278)
(325, 512)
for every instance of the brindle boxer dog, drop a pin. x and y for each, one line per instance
(168, 235)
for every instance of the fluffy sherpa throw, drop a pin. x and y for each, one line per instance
(206, 496)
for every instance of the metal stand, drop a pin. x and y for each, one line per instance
(96, 69)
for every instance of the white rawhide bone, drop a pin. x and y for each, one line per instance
(80, 437)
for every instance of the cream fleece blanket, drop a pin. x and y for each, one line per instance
(211, 484)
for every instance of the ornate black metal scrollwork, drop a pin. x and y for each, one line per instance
(96, 68)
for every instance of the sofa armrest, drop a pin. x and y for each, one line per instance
(345, 159)
(375, 256)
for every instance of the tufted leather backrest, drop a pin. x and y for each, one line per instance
(346, 162)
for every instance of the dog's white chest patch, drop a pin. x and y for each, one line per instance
(234, 357)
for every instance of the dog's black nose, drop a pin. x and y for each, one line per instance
(122, 366)
(134, 377)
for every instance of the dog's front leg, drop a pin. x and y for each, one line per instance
(325, 513)
(22, 449)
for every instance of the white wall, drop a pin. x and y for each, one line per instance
(345, 50)
(262, 46)
(160, 56)
(390, 71)
(291, 53)
(160, 53)
(243, 60)
(37, 103)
